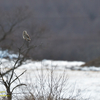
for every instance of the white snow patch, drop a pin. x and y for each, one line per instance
(5, 53)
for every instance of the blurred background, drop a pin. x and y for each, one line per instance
(59, 29)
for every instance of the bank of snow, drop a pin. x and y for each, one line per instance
(83, 79)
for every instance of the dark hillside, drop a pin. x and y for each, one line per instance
(72, 27)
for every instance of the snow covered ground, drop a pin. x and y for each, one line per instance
(85, 80)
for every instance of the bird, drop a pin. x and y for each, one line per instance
(26, 36)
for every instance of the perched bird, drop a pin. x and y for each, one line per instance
(26, 36)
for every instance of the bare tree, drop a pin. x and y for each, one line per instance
(11, 76)
(10, 21)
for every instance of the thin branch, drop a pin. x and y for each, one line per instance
(15, 65)
(18, 76)
(4, 81)
(17, 86)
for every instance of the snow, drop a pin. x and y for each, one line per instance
(60, 65)
(87, 82)
(84, 81)
(5, 53)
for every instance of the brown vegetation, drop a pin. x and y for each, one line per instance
(95, 62)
